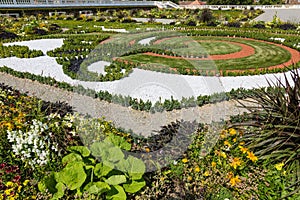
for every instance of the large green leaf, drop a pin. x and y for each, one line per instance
(115, 155)
(134, 186)
(48, 183)
(99, 148)
(60, 191)
(73, 175)
(136, 167)
(116, 180)
(96, 187)
(102, 170)
(116, 193)
(70, 158)
(119, 142)
(107, 151)
(84, 151)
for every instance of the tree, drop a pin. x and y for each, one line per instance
(206, 16)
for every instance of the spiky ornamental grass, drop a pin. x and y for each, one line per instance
(273, 129)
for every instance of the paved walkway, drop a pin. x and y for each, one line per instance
(286, 15)
(141, 123)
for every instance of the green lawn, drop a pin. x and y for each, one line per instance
(200, 46)
(266, 55)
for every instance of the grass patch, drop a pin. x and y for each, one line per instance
(200, 46)
(266, 55)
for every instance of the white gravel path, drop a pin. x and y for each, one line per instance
(98, 67)
(43, 44)
(286, 15)
(146, 41)
(147, 85)
(163, 21)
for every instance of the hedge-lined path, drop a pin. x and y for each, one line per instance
(139, 122)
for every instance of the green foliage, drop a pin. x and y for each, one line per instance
(19, 52)
(110, 177)
(275, 131)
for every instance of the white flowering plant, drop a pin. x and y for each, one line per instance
(31, 146)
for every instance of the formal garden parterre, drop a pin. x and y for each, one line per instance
(48, 151)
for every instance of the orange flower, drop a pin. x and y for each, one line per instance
(226, 143)
(251, 156)
(234, 180)
(229, 175)
(236, 162)
(243, 149)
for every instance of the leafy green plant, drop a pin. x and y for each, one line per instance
(111, 177)
(274, 126)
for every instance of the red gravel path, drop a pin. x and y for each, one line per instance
(246, 51)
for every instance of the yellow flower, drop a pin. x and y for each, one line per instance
(25, 182)
(206, 173)
(279, 166)
(8, 191)
(234, 180)
(226, 143)
(223, 154)
(185, 160)
(251, 156)
(235, 163)
(213, 164)
(234, 139)
(242, 143)
(190, 178)
(232, 131)
(243, 149)
(19, 188)
(9, 184)
(197, 169)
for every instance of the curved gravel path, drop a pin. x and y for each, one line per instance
(141, 123)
